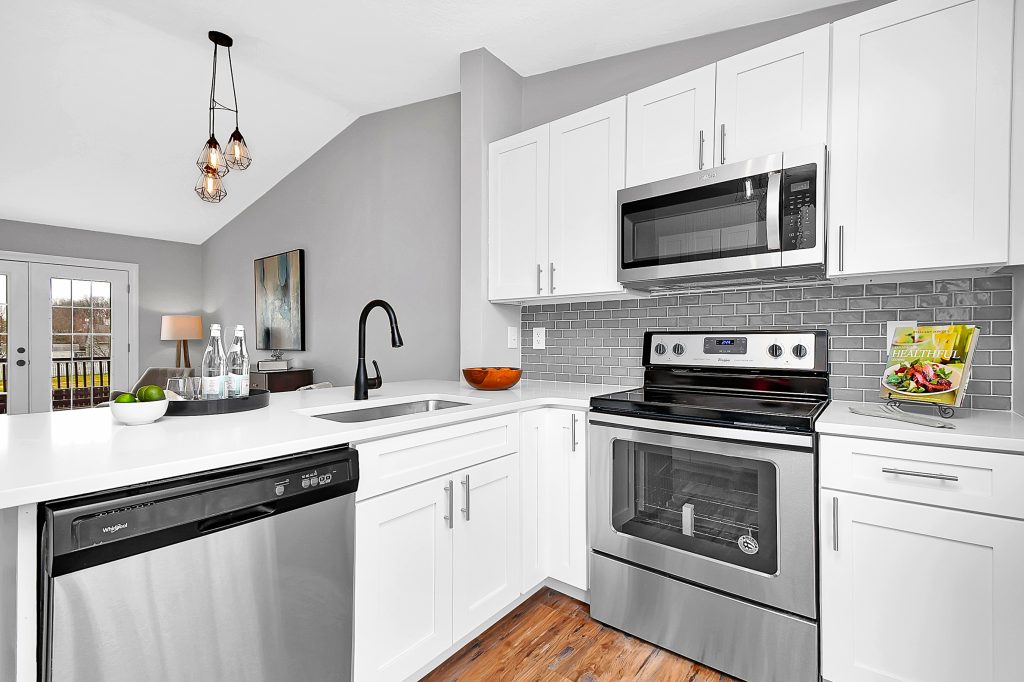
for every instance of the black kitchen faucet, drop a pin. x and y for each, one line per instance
(363, 383)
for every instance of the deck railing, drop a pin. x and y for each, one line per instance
(76, 383)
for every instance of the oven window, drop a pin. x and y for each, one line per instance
(717, 221)
(718, 506)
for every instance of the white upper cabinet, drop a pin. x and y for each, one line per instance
(773, 98)
(518, 215)
(920, 136)
(587, 170)
(670, 127)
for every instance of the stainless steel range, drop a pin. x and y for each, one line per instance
(702, 500)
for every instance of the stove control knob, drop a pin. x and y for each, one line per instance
(660, 349)
(800, 350)
(679, 349)
(775, 350)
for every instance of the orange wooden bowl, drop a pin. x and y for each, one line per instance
(492, 378)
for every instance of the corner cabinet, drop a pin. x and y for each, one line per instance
(920, 137)
(670, 127)
(554, 492)
(433, 561)
(551, 207)
(773, 98)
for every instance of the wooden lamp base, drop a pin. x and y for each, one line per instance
(181, 350)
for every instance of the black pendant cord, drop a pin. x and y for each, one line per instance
(213, 90)
(234, 95)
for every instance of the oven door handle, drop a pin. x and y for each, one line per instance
(760, 437)
(773, 221)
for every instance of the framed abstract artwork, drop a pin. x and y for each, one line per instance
(280, 305)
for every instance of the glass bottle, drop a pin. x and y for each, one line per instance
(238, 365)
(213, 370)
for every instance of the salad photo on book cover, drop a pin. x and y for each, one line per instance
(930, 364)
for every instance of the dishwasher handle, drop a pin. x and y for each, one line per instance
(235, 518)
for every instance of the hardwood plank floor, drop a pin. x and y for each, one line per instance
(552, 638)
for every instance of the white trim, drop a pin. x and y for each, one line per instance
(133, 294)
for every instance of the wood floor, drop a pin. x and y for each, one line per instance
(551, 637)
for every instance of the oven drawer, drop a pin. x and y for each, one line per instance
(973, 480)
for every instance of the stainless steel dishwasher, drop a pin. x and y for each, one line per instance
(242, 574)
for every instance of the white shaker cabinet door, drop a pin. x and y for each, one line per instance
(403, 581)
(587, 170)
(486, 564)
(565, 508)
(669, 127)
(920, 136)
(912, 593)
(773, 98)
(518, 215)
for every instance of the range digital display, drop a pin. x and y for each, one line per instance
(725, 345)
(725, 342)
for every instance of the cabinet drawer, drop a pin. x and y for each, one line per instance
(393, 463)
(973, 480)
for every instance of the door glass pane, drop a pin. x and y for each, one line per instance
(3, 344)
(717, 221)
(722, 507)
(80, 359)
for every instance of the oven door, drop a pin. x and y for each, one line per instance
(721, 221)
(729, 509)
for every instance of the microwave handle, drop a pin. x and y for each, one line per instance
(774, 222)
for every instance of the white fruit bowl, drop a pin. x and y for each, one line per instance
(134, 414)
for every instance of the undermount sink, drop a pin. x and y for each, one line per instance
(367, 414)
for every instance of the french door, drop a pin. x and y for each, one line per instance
(63, 336)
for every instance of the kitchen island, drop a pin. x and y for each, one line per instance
(55, 455)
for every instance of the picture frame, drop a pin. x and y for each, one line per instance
(280, 288)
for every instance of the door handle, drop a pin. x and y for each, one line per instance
(465, 487)
(20, 363)
(700, 150)
(551, 278)
(21, 349)
(722, 144)
(573, 433)
(920, 474)
(448, 498)
(540, 271)
(835, 524)
(773, 226)
(235, 518)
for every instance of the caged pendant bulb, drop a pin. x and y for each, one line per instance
(213, 162)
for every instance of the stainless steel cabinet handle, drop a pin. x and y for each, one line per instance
(700, 150)
(449, 517)
(920, 474)
(465, 488)
(723, 143)
(841, 248)
(573, 433)
(551, 278)
(835, 524)
(540, 271)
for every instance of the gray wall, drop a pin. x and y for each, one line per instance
(377, 211)
(551, 95)
(170, 274)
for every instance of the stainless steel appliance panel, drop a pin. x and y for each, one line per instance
(791, 587)
(743, 640)
(265, 601)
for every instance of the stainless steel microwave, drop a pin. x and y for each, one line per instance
(748, 222)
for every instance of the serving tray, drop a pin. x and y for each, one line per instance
(257, 398)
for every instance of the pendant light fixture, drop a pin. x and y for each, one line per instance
(213, 162)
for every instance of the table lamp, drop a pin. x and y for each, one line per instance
(181, 328)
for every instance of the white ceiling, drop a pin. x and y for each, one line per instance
(103, 106)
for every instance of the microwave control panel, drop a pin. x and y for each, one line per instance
(799, 190)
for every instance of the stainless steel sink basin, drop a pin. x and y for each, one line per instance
(367, 414)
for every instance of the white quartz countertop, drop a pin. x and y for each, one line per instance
(53, 455)
(975, 429)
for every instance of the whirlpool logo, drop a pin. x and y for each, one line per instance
(116, 527)
(708, 176)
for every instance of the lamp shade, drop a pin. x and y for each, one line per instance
(181, 327)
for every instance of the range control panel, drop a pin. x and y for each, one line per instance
(741, 350)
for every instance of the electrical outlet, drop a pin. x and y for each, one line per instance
(538, 337)
(513, 337)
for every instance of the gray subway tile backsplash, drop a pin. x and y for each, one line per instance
(600, 342)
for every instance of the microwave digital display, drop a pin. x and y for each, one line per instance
(800, 186)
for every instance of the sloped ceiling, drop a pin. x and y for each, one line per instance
(103, 102)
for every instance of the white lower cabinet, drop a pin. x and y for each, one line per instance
(916, 593)
(431, 564)
(554, 493)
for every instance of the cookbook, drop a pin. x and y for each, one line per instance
(930, 364)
